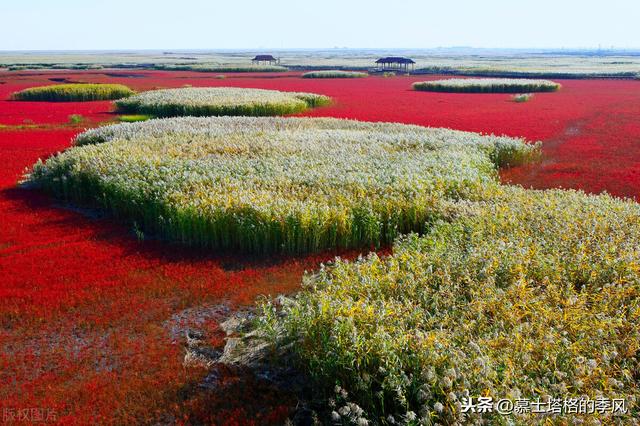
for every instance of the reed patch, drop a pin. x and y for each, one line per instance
(73, 93)
(532, 294)
(487, 85)
(273, 185)
(216, 101)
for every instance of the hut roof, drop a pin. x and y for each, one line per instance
(264, 58)
(395, 60)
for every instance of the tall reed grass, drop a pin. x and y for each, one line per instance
(272, 185)
(216, 101)
(530, 295)
(487, 85)
(73, 93)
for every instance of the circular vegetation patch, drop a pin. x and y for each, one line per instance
(74, 93)
(278, 184)
(487, 85)
(215, 101)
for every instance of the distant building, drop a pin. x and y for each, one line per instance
(265, 59)
(395, 63)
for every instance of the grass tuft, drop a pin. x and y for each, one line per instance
(76, 119)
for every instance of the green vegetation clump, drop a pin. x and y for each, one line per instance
(487, 85)
(529, 294)
(76, 119)
(334, 74)
(216, 101)
(132, 118)
(272, 185)
(74, 93)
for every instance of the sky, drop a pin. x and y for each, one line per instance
(277, 24)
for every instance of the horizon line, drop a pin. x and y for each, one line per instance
(226, 49)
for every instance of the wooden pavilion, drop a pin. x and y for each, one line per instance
(264, 59)
(395, 63)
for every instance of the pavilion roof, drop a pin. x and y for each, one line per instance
(264, 58)
(395, 60)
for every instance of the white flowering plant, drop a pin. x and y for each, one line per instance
(216, 101)
(522, 97)
(279, 184)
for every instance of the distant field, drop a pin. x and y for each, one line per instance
(511, 63)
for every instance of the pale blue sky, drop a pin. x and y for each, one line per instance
(201, 24)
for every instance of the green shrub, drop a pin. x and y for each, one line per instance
(487, 85)
(76, 119)
(270, 185)
(334, 74)
(73, 93)
(134, 118)
(215, 101)
(532, 294)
